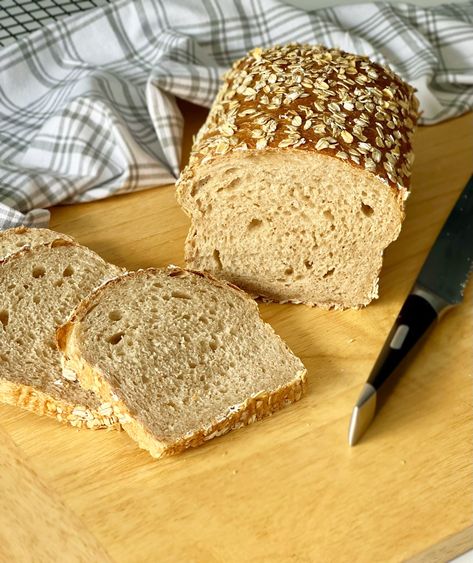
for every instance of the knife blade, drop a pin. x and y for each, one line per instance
(440, 285)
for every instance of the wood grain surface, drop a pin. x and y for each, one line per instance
(34, 524)
(288, 488)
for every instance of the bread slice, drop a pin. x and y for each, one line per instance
(297, 180)
(39, 288)
(179, 356)
(12, 240)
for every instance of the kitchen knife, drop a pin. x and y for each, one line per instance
(439, 286)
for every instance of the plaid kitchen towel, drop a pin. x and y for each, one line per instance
(88, 104)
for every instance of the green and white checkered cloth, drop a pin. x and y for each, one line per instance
(88, 104)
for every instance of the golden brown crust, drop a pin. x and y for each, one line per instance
(309, 98)
(40, 403)
(253, 409)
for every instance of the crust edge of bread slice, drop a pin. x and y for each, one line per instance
(254, 408)
(33, 400)
(49, 236)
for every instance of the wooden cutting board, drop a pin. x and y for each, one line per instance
(288, 488)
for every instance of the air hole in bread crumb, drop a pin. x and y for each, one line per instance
(58, 283)
(329, 273)
(212, 311)
(192, 364)
(254, 224)
(4, 317)
(68, 271)
(3, 358)
(289, 271)
(230, 186)
(203, 319)
(38, 272)
(329, 215)
(216, 257)
(144, 378)
(213, 345)
(308, 264)
(19, 341)
(115, 315)
(367, 210)
(36, 299)
(180, 294)
(199, 184)
(186, 317)
(157, 284)
(115, 338)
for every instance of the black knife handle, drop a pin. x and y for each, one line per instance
(413, 321)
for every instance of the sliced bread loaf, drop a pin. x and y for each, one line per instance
(297, 180)
(12, 240)
(39, 286)
(179, 356)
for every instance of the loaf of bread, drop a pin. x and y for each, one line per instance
(179, 356)
(40, 285)
(297, 180)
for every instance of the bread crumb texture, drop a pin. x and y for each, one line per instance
(179, 357)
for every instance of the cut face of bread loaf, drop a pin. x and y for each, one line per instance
(12, 240)
(39, 286)
(179, 356)
(296, 182)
